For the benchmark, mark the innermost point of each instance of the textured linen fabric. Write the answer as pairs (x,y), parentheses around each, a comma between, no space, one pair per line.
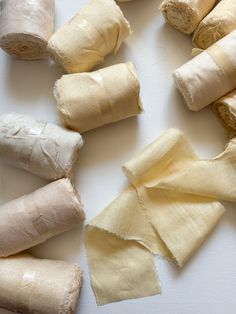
(98,29)
(38,216)
(210,75)
(169,209)
(217,24)
(25,27)
(39,147)
(32,286)
(225,109)
(89,100)
(185,15)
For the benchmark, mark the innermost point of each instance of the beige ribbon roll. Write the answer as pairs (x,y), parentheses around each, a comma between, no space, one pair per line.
(89,100)
(185,15)
(30,285)
(34,218)
(208,76)
(25,27)
(169,209)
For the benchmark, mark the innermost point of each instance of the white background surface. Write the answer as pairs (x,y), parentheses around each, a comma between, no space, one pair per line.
(207,284)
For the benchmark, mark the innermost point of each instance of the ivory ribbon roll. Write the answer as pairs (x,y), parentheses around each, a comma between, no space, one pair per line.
(26,26)
(217,24)
(41,148)
(169,209)
(97,30)
(89,100)
(30,285)
(36,217)
(225,109)
(185,15)
(210,75)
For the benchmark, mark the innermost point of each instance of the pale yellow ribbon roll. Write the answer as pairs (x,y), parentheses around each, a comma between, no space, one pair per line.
(25,27)
(210,75)
(225,109)
(217,24)
(169,209)
(30,285)
(98,29)
(36,217)
(185,15)
(90,100)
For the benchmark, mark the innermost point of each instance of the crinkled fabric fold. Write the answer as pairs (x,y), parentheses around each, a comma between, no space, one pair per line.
(169,209)
(98,29)
(210,75)
(25,27)
(90,100)
(42,148)
(185,15)
(225,109)
(217,24)
(31,285)
(36,217)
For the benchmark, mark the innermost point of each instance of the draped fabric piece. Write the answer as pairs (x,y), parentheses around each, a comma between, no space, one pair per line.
(225,109)
(25,27)
(210,75)
(217,24)
(169,209)
(89,100)
(185,15)
(31,285)
(98,29)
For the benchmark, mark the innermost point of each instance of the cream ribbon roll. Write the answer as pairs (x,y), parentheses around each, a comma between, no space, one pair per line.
(169,209)
(41,148)
(185,15)
(30,285)
(25,27)
(217,24)
(90,100)
(210,75)
(38,216)
(98,29)
(225,109)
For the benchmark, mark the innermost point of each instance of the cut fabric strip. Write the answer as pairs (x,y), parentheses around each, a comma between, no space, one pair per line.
(169,209)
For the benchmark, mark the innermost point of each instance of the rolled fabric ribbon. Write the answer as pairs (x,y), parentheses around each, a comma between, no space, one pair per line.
(26,26)
(216,25)
(39,147)
(38,216)
(185,15)
(169,209)
(30,285)
(225,109)
(97,30)
(210,75)
(89,100)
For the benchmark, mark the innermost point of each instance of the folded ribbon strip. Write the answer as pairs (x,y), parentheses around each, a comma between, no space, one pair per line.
(169,209)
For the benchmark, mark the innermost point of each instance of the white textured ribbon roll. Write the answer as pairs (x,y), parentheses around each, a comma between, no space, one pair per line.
(89,100)
(25,27)
(217,24)
(185,15)
(169,209)
(97,30)
(41,148)
(38,216)
(210,75)
(30,285)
